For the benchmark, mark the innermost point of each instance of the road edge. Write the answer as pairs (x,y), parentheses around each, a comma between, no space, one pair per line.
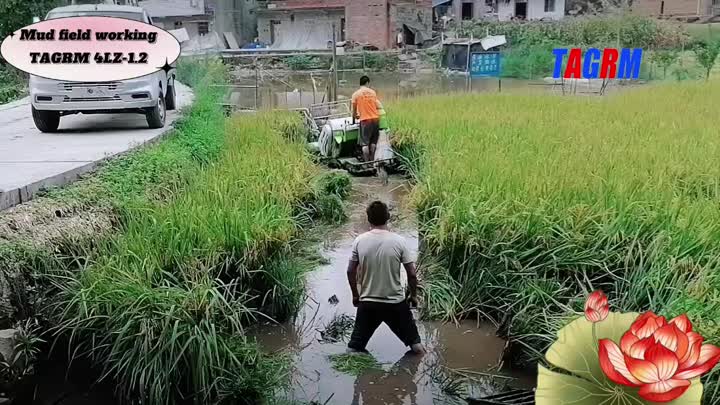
(23,194)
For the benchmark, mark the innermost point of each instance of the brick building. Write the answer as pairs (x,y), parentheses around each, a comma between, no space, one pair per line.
(307,24)
(676,7)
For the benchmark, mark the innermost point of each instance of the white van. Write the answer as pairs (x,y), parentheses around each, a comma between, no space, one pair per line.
(152,95)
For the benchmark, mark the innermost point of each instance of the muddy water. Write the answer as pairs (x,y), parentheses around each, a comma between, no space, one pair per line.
(405,379)
(296,90)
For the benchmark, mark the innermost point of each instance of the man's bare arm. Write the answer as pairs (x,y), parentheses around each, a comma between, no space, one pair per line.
(354,111)
(412,279)
(352,278)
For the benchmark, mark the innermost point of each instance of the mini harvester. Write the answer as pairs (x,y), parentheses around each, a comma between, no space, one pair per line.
(334,136)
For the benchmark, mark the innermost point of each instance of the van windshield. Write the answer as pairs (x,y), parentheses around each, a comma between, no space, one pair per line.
(130,16)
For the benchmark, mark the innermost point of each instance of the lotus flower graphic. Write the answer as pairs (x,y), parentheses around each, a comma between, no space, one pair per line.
(610,357)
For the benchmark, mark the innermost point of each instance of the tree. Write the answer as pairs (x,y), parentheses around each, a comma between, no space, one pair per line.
(665,59)
(706,54)
(16,14)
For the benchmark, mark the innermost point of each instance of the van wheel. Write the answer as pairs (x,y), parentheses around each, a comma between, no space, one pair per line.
(170,97)
(156,115)
(46,121)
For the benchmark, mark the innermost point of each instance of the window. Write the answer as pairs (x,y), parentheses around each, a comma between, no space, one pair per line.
(549,6)
(203,27)
(467,11)
(178,24)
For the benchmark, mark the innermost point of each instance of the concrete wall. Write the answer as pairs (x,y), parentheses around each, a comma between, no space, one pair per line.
(236,16)
(306,4)
(479,8)
(679,7)
(535,10)
(190,24)
(413,14)
(373,22)
(296,19)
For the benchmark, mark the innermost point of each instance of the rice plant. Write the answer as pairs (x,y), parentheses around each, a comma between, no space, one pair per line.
(162,307)
(527,203)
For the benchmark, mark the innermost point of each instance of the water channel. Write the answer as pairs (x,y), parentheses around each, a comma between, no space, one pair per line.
(471,349)
(277,89)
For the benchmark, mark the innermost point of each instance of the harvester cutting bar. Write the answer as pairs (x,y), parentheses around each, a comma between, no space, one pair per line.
(514,397)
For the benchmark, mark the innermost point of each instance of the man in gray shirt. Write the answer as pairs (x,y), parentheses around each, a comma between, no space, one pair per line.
(374,274)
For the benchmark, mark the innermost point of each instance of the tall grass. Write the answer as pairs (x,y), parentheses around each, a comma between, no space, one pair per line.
(163,307)
(60,228)
(530,202)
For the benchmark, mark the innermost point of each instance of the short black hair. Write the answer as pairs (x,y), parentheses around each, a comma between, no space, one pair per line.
(378,213)
(364,80)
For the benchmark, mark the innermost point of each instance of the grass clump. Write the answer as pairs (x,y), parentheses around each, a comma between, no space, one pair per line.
(528,203)
(163,306)
(354,363)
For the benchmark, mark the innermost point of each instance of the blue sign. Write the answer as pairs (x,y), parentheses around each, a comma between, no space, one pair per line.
(485,64)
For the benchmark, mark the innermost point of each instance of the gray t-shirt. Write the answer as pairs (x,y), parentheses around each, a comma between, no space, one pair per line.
(380,255)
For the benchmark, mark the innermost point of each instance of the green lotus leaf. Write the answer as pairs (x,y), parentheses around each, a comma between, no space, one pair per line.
(562,389)
(577,352)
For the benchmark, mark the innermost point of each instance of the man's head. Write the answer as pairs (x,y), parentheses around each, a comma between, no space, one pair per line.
(378,213)
(364,81)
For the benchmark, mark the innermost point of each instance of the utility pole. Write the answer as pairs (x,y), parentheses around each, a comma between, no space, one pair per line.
(333,96)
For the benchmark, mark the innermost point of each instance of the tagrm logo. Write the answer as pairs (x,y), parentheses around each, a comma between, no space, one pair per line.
(609,63)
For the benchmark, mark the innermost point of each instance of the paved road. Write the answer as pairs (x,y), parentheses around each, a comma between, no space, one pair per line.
(31,160)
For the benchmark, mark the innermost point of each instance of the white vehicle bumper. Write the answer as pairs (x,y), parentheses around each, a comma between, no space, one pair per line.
(51,95)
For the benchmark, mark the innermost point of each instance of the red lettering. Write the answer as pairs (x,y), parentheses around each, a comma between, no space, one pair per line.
(608,69)
(574,65)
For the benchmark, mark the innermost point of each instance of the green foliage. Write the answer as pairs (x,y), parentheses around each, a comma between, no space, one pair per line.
(527,211)
(15,14)
(707,54)
(354,363)
(13,84)
(194,71)
(163,305)
(664,59)
(26,351)
(304,62)
(528,61)
(625,31)
(381,61)
(704,32)
(338,183)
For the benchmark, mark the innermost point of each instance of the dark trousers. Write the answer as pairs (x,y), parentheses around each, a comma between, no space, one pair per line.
(370,315)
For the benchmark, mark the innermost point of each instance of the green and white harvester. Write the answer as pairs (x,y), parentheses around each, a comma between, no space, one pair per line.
(334,136)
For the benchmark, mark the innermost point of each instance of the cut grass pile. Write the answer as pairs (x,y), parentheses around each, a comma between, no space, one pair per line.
(163,306)
(354,363)
(528,203)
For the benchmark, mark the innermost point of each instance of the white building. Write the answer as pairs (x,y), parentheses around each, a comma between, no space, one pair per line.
(530,9)
(503,10)
(176,14)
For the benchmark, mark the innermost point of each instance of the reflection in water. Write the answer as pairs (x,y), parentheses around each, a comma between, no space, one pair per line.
(405,379)
(372,387)
(297,90)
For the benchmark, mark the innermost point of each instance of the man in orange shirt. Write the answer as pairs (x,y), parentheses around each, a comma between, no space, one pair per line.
(365,107)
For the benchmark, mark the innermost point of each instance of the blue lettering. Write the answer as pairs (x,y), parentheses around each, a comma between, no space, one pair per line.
(591,64)
(630,61)
(559,57)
